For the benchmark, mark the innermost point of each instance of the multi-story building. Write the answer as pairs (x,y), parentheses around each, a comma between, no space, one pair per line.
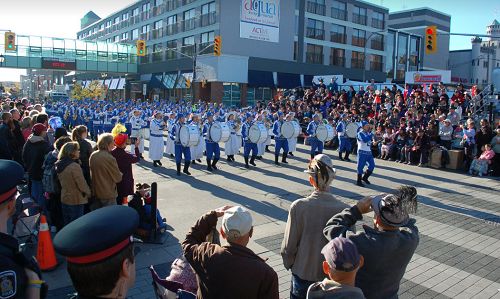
(266,44)
(475,66)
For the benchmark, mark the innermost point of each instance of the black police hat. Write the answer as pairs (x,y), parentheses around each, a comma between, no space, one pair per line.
(98,235)
(11,174)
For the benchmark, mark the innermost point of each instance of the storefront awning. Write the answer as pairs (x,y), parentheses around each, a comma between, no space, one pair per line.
(114,84)
(121,84)
(260,79)
(288,80)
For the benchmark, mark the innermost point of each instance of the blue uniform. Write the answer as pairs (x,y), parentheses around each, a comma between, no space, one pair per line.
(213,148)
(344,142)
(247,144)
(281,142)
(364,151)
(179,148)
(316,145)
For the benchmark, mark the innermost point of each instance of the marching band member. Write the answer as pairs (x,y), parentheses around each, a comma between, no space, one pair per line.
(137,131)
(213,149)
(107,123)
(179,148)
(248,145)
(261,147)
(365,156)
(292,142)
(267,121)
(316,145)
(96,123)
(344,142)
(280,140)
(170,145)
(231,146)
(197,150)
(156,139)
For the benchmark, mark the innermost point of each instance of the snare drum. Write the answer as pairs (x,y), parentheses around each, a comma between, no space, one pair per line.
(219,132)
(352,130)
(258,133)
(189,136)
(290,129)
(324,133)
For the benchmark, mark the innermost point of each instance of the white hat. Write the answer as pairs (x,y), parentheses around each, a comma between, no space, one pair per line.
(236,222)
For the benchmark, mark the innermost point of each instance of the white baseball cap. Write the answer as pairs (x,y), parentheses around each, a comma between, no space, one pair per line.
(236,222)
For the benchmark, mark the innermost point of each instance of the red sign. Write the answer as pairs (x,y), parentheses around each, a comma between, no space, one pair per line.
(419,78)
(54,63)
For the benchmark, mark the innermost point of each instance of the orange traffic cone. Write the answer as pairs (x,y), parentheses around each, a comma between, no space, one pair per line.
(45,254)
(125,201)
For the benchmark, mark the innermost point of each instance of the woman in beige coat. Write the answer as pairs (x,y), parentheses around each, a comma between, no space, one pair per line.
(74,189)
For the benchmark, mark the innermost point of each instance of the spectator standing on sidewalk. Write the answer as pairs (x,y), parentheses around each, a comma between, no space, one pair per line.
(125,160)
(387,248)
(303,240)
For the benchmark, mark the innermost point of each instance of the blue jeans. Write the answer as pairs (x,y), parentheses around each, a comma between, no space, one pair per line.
(37,195)
(298,288)
(71,212)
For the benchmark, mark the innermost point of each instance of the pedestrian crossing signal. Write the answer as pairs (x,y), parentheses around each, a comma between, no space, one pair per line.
(430,39)
(141,48)
(10,41)
(217,45)
(188,83)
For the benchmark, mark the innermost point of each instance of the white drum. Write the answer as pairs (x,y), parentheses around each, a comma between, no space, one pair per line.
(352,130)
(324,133)
(290,129)
(258,133)
(189,136)
(219,132)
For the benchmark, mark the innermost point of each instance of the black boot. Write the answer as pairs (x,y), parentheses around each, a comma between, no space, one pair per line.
(159,163)
(276,157)
(178,169)
(193,162)
(359,182)
(214,164)
(340,156)
(312,156)
(186,168)
(209,165)
(172,155)
(283,159)
(346,157)
(366,176)
(258,157)
(232,158)
(252,161)
(246,162)
(154,163)
(267,149)
(228,159)
(290,154)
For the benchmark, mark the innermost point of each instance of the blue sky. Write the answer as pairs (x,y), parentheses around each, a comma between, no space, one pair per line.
(467,16)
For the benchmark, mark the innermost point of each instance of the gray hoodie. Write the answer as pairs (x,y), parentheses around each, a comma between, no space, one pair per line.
(445,132)
(329,289)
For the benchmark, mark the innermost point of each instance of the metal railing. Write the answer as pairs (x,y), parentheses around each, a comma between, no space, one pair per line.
(172,29)
(158,56)
(358,41)
(337,60)
(314,58)
(188,50)
(206,48)
(315,8)
(339,14)
(377,45)
(377,23)
(376,66)
(359,19)
(357,63)
(315,33)
(338,38)
(208,19)
(157,33)
(188,24)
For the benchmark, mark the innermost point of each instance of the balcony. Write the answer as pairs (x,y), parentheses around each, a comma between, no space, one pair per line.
(357,63)
(188,24)
(157,33)
(378,23)
(376,66)
(314,58)
(134,20)
(172,4)
(144,59)
(145,36)
(170,55)
(315,33)
(315,8)
(158,56)
(206,48)
(145,15)
(186,2)
(358,41)
(337,60)
(208,19)
(171,29)
(339,14)
(359,19)
(188,50)
(377,45)
(338,38)
(157,10)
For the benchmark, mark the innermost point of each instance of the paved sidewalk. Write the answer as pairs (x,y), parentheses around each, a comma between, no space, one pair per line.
(458,218)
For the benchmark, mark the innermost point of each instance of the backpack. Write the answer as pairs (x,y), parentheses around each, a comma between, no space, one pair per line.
(50,181)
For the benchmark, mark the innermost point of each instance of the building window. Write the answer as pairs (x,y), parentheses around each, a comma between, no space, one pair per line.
(188,45)
(316,7)
(402,56)
(485,64)
(157,52)
(357,60)
(414,49)
(389,54)
(145,29)
(135,11)
(101,27)
(108,24)
(95,29)
(232,95)
(315,29)
(146,7)
(339,10)
(125,16)
(116,39)
(171,46)
(205,40)
(208,14)
(377,42)
(117,20)
(337,34)
(314,54)
(135,34)
(358,37)
(125,36)
(189,20)
(157,24)
(378,20)
(359,15)
(171,28)
(337,57)
(158,2)
(376,63)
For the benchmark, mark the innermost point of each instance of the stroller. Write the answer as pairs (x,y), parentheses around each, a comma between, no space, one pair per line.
(26,221)
(165,289)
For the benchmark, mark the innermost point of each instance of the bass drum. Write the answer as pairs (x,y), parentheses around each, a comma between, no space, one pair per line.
(258,133)
(352,130)
(324,133)
(189,136)
(219,132)
(290,129)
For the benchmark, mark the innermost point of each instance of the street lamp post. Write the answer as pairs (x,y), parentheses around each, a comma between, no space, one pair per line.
(364,51)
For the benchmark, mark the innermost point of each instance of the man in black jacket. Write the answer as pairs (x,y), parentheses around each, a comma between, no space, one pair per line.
(34,151)
(6,137)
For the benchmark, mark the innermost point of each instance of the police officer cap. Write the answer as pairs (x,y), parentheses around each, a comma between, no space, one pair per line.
(11,174)
(98,235)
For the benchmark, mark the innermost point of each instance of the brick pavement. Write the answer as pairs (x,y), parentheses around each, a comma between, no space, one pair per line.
(458,218)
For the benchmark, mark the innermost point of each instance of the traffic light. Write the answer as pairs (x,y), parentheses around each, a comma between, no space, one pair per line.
(141,48)
(217,45)
(188,83)
(430,39)
(10,41)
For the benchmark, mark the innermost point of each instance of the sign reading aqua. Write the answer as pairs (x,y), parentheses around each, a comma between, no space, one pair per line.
(260,7)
